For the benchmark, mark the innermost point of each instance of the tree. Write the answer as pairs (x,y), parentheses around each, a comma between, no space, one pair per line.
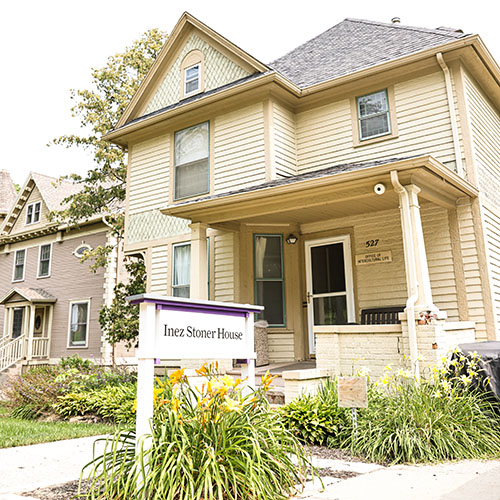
(103,188)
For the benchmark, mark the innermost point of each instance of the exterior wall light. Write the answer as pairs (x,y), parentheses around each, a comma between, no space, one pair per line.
(292,239)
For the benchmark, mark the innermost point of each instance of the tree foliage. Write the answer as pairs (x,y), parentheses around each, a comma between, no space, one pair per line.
(120,320)
(99,110)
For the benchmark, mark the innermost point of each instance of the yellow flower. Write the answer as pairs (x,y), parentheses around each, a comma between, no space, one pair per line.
(177,376)
(159,382)
(134,409)
(228,381)
(203,371)
(157,392)
(175,404)
(232,405)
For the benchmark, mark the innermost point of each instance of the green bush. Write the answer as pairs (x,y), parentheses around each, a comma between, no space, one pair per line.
(443,417)
(115,404)
(315,419)
(213,444)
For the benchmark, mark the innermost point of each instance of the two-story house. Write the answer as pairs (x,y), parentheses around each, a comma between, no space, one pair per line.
(350,186)
(49,300)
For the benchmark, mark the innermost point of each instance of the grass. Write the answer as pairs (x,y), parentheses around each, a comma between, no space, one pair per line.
(18,432)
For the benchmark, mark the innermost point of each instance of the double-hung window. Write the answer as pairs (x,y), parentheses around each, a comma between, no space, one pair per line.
(191,161)
(192,79)
(78,324)
(19,264)
(33,212)
(373,115)
(44,261)
(269,277)
(181,270)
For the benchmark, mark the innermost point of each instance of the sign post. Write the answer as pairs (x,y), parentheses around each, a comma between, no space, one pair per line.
(179,328)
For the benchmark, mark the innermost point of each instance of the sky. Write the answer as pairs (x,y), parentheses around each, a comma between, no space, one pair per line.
(49,47)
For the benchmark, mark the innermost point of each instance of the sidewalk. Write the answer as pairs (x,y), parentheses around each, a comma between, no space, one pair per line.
(27,468)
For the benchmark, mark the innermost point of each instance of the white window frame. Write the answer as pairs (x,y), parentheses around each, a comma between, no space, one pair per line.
(71,303)
(186,80)
(33,212)
(38,275)
(174,245)
(387,113)
(25,250)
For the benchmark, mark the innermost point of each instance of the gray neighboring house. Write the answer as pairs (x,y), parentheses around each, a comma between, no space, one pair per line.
(49,300)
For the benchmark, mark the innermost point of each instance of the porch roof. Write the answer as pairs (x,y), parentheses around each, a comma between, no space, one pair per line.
(336,191)
(33,295)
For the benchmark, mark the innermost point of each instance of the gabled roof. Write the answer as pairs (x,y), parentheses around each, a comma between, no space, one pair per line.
(52,190)
(186,23)
(356,44)
(29,294)
(8,192)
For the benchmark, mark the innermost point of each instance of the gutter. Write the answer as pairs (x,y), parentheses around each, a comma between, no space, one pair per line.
(453,114)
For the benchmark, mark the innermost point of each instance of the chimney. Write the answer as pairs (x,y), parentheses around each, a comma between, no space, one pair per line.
(396,20)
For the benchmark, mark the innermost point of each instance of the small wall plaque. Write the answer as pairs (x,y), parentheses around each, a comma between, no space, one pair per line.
(352,392)
(374,258)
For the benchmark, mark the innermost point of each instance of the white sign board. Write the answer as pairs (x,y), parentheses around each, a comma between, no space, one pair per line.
(180,334)
(374,258)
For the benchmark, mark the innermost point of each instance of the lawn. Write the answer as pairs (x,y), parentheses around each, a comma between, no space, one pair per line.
(18,432)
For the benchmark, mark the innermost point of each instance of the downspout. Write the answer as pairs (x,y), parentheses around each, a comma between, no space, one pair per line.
(453,115)
(412,274)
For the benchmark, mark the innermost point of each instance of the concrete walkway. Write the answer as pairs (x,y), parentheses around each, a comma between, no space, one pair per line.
(27,468)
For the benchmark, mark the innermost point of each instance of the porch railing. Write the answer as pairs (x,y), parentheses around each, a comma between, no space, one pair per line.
(4,340)
(12,352)
(40,347)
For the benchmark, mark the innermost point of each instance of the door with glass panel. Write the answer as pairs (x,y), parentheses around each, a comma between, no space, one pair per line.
(329,282)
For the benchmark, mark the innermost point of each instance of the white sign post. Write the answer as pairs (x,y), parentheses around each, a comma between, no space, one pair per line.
(178,328)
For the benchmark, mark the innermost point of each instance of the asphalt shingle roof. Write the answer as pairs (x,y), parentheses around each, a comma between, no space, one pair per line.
(8,192)
(356,44)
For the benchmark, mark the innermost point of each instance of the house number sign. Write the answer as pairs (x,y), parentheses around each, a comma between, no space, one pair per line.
(178,328)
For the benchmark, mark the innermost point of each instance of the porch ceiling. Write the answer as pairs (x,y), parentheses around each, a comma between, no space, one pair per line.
(308,198)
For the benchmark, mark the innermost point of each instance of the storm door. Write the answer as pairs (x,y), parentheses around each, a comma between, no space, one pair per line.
(329,282)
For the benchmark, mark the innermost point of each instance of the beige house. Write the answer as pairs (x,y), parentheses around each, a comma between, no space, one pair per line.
(351,187)
(49,300)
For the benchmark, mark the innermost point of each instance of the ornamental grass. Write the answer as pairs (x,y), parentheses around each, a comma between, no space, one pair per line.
(215,441)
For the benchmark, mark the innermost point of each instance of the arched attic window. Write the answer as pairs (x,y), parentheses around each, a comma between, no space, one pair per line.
(192,74)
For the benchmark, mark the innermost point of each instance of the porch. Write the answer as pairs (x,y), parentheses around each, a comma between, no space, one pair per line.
(344,240)
(27,326)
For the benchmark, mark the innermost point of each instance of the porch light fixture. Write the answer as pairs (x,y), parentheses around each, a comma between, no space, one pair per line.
(292,239)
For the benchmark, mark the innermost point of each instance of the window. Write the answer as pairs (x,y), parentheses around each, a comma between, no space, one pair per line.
(81,249)
(191,166)
(19,261)
(269,281)
(17,322)
(192,79)
(181,270)
(33,212)
(373,115)
(78,320)
(44,261)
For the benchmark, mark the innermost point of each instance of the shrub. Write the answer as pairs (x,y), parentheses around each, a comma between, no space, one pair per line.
(315,419)
(77,362)
(440,418)
(211,444)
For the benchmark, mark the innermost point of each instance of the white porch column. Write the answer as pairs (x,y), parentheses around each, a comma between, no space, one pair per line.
(199,268)
(424,300)
(31,329)
(49,329)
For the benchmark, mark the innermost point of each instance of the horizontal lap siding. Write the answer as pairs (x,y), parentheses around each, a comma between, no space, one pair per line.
(159,270)
(285,141)
(281,345)
(325,135)
(149,174)
(485,130)
(491,217)
(224,265)
(239,156)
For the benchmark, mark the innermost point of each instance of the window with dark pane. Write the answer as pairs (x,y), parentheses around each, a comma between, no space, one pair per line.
(373,115)
(269,281)
(191,161)
(17,322)
(44,264)
(328,268)
(19,265)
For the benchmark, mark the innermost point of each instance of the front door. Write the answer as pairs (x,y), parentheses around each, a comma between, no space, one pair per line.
(330,299)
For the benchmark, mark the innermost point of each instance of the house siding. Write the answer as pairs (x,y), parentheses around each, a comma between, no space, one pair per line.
(238,149)
(159,270)
(285,140)
(224,265)
(69,280)
(325,135)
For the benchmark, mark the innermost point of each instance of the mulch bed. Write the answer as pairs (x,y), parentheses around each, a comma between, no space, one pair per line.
(64,491)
